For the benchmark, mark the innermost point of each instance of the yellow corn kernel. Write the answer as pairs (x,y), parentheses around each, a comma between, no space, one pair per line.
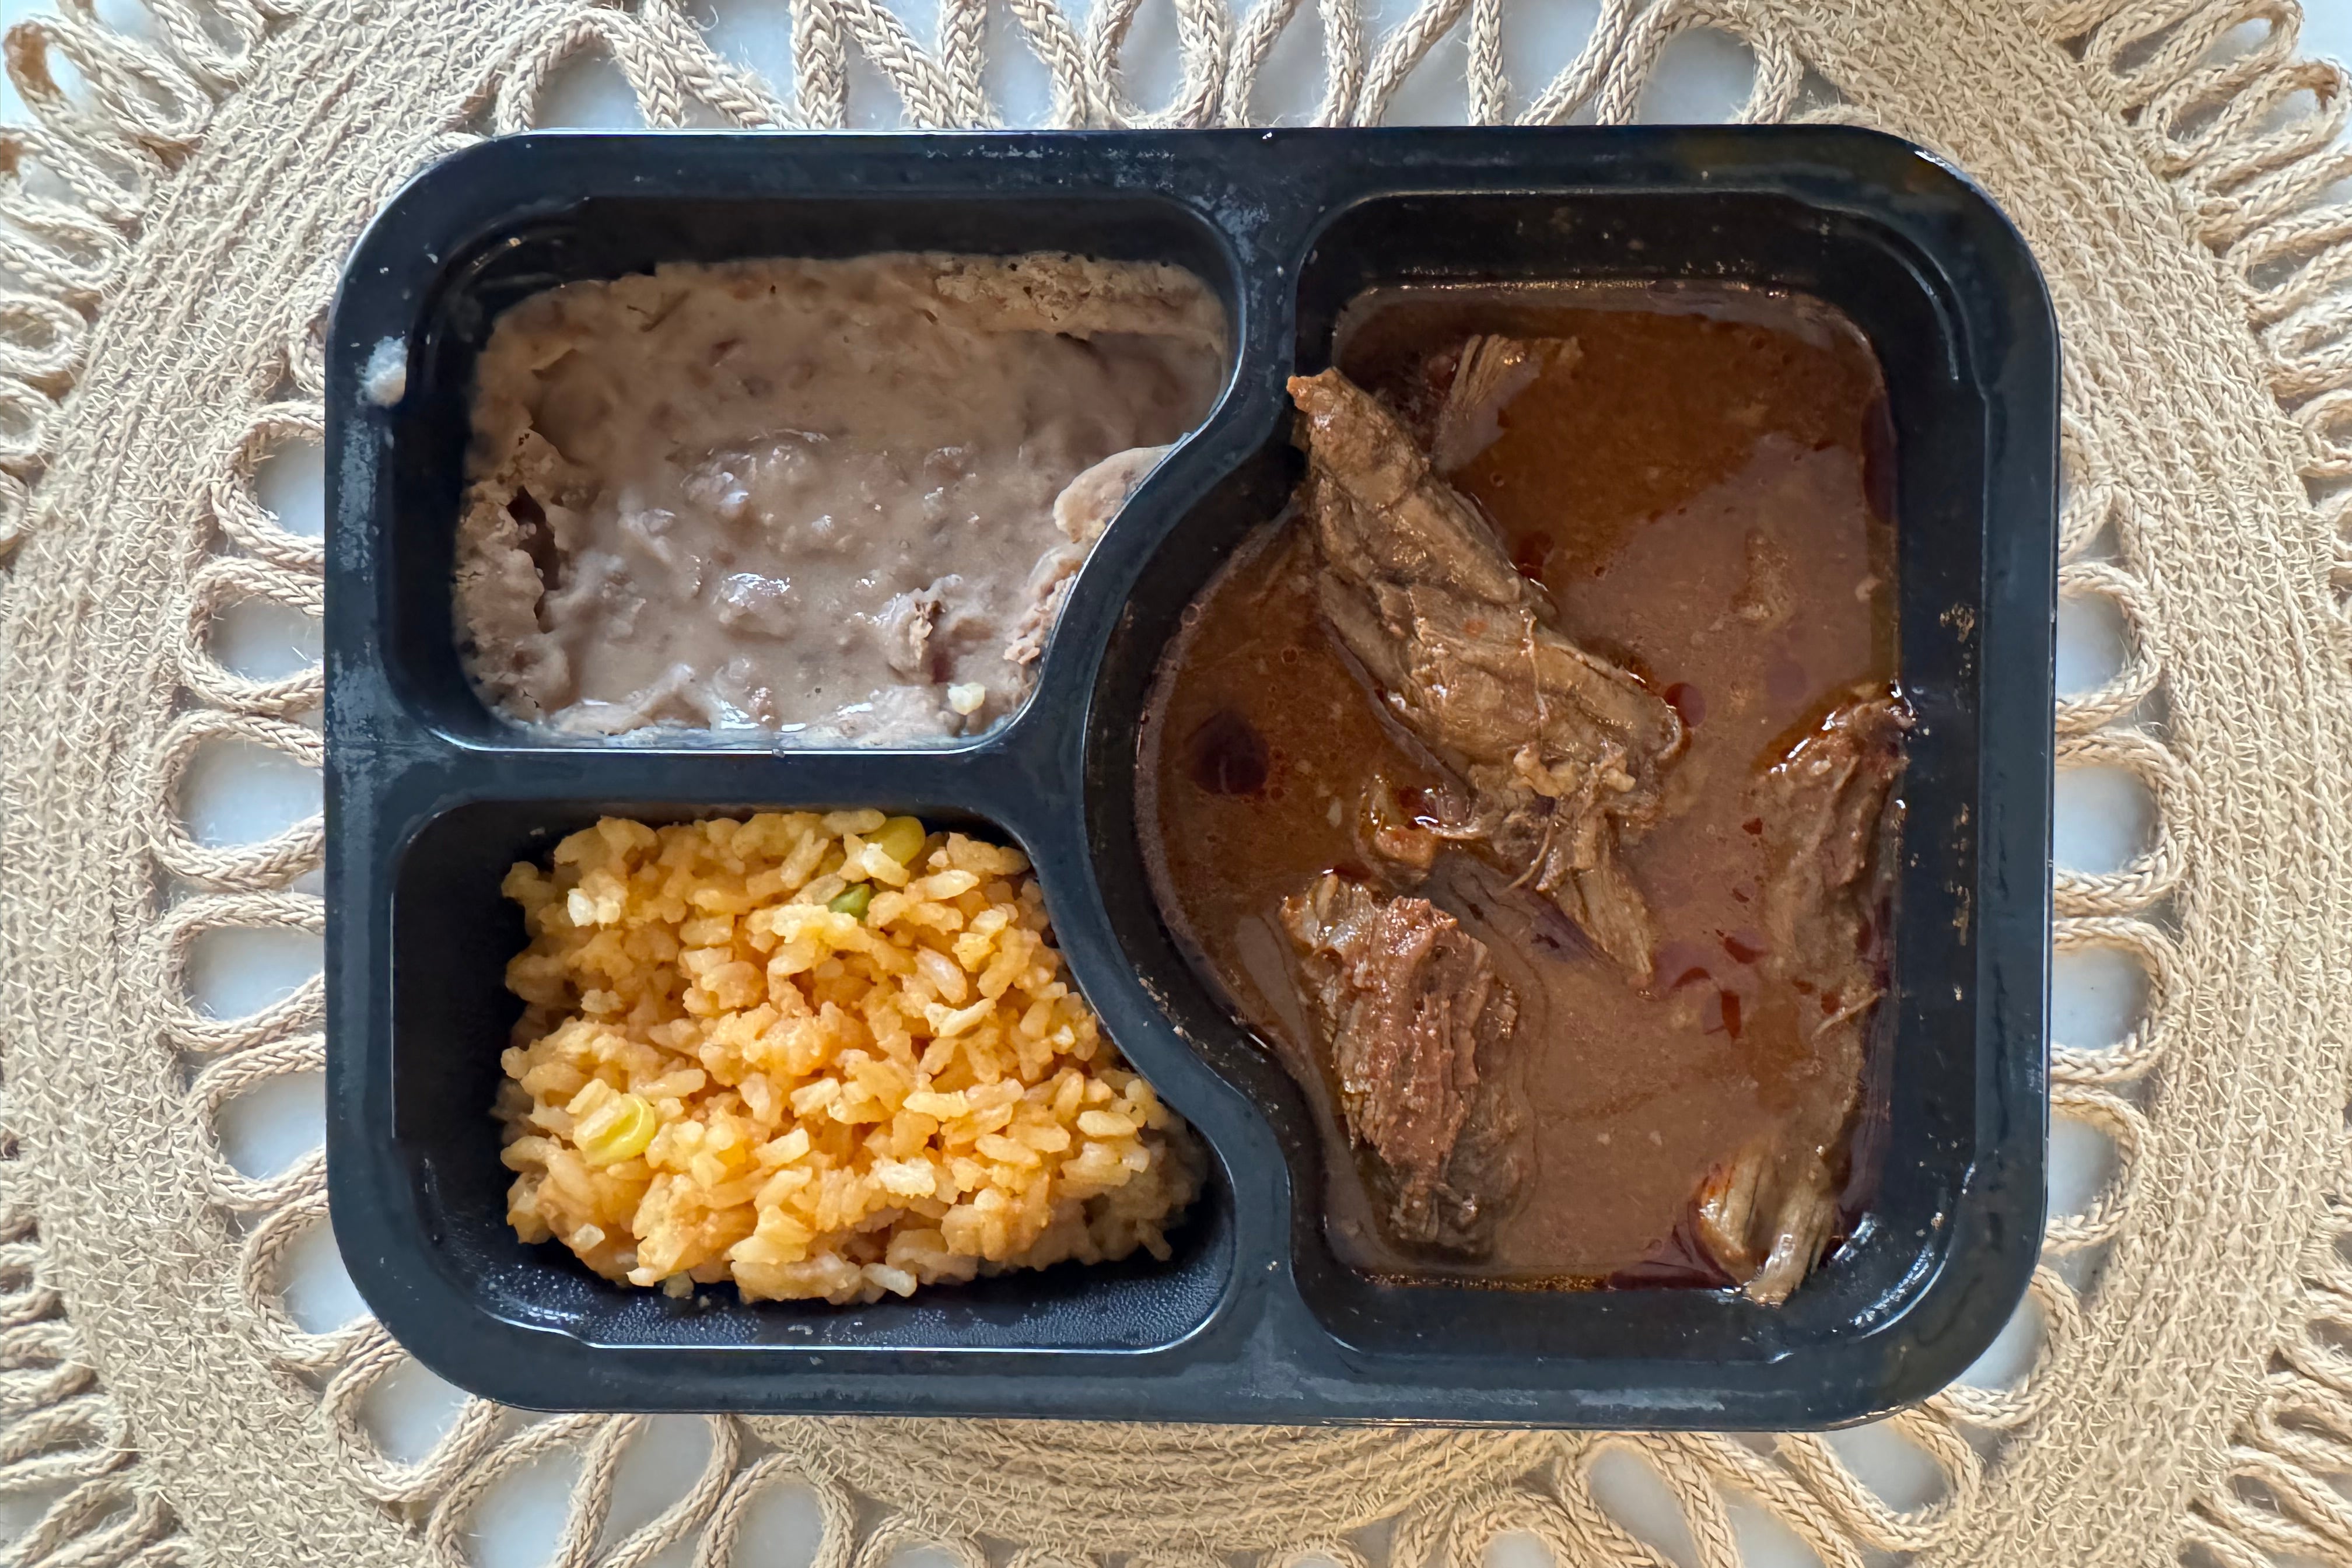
(902,838)
(619,1130)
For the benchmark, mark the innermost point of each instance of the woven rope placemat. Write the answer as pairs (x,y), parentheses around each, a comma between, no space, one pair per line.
(174,222)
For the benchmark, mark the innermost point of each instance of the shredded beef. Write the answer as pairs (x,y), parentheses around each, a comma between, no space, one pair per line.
(1416,1027)
(1560,752)
(1828,810)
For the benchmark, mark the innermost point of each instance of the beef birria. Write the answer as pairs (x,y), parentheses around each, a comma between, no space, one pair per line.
(1552,759)
(1766,1216)
(1416,1026)
(1561,752)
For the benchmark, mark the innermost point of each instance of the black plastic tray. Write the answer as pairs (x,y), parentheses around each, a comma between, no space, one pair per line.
(429,796)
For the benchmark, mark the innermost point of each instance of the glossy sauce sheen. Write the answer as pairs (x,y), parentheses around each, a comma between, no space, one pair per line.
(1702,454)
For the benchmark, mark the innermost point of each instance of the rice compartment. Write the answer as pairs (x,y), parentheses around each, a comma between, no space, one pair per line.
(816,1055)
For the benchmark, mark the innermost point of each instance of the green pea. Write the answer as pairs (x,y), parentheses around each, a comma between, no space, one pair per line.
(902,838)
(853,901)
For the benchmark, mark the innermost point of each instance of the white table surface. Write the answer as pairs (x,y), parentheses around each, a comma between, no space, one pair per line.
(238,793)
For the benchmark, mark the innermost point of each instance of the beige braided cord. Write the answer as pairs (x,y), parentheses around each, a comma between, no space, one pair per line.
(169,230)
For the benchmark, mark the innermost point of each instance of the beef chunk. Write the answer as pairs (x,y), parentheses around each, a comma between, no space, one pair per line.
(1829,818)
(1825,814)
(1417,1029)
(1561,753)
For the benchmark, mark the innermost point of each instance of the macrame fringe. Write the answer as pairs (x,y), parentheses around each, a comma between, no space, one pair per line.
(2250,139)
(2248,133)
(76,184)
(74,189)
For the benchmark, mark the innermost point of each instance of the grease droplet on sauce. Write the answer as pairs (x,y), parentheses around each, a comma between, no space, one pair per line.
(1687,700)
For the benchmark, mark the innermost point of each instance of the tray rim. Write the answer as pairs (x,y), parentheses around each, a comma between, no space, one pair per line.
(1245,1340)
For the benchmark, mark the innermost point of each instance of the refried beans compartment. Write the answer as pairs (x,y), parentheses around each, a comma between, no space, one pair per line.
(831,500)
(1273,776)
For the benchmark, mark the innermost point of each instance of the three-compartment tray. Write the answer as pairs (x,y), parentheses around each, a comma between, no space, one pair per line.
(430,798)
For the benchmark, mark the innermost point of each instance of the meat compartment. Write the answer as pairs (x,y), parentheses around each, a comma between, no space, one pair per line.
(1967,584)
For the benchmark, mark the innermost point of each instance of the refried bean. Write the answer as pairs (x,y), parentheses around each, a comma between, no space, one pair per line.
(840,500)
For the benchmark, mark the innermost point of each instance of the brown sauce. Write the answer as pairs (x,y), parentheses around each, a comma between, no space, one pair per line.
(1701,489)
